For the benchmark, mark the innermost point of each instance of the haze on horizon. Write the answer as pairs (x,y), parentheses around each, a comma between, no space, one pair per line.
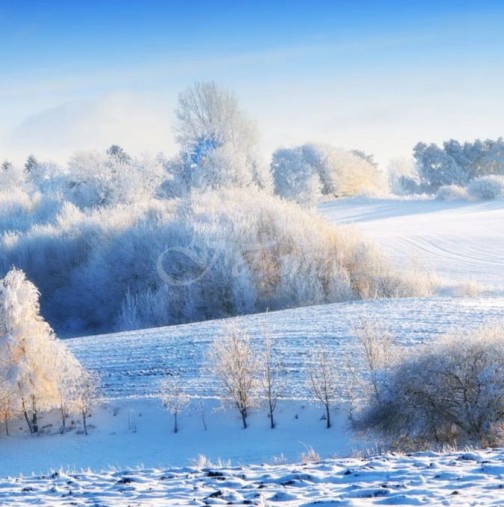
(374,75)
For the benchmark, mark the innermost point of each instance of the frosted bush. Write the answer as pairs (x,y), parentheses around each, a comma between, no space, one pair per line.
(215,254)
(306,173)
(451,193)
(245,252)
(486,188)
(452,391)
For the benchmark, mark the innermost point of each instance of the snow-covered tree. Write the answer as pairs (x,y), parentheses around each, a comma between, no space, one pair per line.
(68,375)
(324,379)
(33,365)
(458,164)
(295,178)
(87,385)
(31,164)
(486,188)
(95,179)
(304,172)
(173,397)
(273,378)
(377,353)
(437,168)
(218,142)
(12,177)
(235,365)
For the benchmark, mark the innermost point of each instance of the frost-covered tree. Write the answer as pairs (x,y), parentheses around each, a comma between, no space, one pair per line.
(324,379)
(12,177)
(68,375)
(218,142)
(174,398)
(31,164)
(304,172)
(235,365)
(272,375)
(295,178)
(376,352)
(437,168)
(87,385)
(94,179)
(32,361)
(115,151)
(458,164)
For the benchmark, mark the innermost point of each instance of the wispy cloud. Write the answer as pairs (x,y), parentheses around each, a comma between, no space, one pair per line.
(135,122)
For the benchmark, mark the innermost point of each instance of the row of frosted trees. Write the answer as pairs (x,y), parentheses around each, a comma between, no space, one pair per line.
(450,391)
(250,376)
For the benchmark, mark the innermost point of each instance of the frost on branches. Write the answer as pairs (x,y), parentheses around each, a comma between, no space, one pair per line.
(37,372)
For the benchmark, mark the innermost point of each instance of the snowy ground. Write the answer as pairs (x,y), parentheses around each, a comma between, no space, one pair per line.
(458,240)
(449,479)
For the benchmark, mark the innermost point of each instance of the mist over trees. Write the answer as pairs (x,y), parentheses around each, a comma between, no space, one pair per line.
(115,241)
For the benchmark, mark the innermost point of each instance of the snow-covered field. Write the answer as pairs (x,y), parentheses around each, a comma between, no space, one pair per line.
(467,478)
(459,241)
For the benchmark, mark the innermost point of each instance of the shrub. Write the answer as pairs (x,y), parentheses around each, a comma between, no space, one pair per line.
(451,193)
(307,173)
(213,255)
(451,392)
(486,188)
(242,251)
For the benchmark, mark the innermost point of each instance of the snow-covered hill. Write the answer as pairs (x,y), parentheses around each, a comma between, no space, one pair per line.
(459,240)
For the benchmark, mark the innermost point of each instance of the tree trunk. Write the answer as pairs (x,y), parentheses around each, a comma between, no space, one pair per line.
(6,423)
(84,422)
(271,410)
(34,416)
(175,422)
(28,422)
(328,416)
(244,418)
(35,422)
(63,419)
(27,418)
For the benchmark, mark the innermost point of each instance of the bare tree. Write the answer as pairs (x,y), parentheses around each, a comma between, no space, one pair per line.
(377,351)
(174,398)
(323,379)
(235,365)
(272,376)
(87,386)
(68,372)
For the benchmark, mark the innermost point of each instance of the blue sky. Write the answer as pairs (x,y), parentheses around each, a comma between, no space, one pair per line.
(376,75)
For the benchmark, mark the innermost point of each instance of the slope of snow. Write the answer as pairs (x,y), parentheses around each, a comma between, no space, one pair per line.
(457,240)
(130,429)
(133,364)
